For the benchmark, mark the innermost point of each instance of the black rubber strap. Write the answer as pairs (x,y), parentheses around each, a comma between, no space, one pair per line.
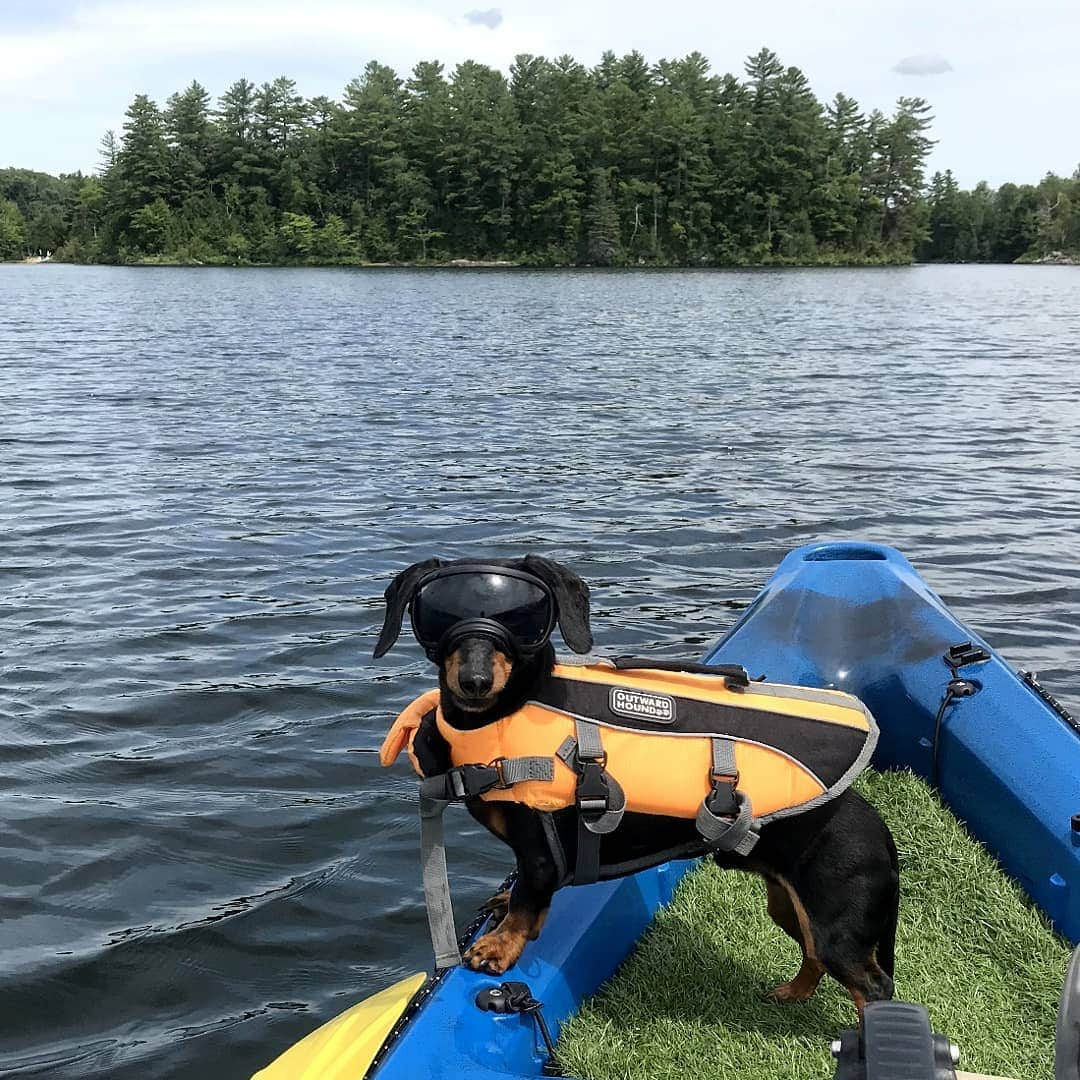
(587,864)
(593,798)
(733,673)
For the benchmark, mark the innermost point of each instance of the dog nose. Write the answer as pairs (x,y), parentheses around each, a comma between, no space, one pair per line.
(474,682)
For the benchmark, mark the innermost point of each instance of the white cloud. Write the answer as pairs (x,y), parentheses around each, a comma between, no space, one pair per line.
(929,64)
(492,18)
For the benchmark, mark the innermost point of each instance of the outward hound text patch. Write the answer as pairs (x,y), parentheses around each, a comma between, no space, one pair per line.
(642,705)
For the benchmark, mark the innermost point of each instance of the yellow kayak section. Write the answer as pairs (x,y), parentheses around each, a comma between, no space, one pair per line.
(345,1047)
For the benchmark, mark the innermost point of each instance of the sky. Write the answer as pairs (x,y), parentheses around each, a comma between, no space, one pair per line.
(1001,75)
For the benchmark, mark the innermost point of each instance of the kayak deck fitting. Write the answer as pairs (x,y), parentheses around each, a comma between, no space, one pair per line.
(850,616)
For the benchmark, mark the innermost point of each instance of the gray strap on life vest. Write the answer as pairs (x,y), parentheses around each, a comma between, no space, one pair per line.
(588,739)
(516,770)
(566,751)
(723,832)
(440,911)
(735,834)
(470,781)
(723,758)
(600,800)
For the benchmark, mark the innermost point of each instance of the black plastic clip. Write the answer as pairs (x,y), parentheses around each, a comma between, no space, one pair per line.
(516,997)
(723,800)
(593,795)
(462,782)
(965,653)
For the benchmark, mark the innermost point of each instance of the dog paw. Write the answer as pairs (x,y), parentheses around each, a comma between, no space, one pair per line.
(791,993)
(494,953)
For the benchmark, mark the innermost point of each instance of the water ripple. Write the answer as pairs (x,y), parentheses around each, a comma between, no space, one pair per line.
(207,479)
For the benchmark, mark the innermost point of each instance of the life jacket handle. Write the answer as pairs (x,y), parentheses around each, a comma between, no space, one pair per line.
(735,675)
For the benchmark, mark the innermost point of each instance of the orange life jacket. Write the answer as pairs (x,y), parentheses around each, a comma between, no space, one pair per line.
(793,747)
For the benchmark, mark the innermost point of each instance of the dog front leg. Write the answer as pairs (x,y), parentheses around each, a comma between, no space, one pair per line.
(537,878)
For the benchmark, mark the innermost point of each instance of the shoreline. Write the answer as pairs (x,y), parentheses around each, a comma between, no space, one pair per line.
(1054,259)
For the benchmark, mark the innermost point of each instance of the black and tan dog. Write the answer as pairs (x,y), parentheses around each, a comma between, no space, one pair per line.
(830,873)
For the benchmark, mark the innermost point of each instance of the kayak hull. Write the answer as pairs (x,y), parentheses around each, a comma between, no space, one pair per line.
(857,617)
(848,616)
(589,931)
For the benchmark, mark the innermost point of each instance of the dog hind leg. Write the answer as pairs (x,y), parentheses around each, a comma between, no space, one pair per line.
(786,911)
(853,963)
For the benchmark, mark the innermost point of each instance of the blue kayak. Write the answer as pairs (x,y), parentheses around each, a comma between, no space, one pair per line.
(848,616)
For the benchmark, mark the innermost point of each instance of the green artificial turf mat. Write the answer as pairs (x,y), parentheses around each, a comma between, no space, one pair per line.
(688,1003)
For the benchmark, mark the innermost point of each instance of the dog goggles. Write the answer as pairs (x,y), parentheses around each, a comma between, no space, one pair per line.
(514,608)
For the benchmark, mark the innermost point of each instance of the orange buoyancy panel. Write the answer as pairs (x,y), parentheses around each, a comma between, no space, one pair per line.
(793,746)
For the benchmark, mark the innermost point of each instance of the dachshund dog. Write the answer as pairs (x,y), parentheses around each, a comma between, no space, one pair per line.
(830,872)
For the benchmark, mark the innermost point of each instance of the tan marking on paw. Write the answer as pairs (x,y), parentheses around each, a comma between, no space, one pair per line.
(495,952)
(501,948)
(802,987)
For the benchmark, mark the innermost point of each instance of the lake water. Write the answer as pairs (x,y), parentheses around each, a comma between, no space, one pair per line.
(207,478)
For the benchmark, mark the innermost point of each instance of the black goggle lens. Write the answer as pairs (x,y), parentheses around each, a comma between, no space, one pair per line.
(521,606)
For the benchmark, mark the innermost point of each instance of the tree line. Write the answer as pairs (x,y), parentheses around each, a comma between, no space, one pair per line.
(1016,222)
(625,163)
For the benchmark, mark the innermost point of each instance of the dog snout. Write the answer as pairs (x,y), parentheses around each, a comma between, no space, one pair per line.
(476,671)
(475,681)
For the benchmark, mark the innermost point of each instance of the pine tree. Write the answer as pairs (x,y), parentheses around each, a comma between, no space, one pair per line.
(108,151)
(478,159)
(143,163)
(187,129)
(900,150)
(238,164)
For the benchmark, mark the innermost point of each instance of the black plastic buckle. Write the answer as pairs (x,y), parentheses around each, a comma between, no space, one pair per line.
(965,653)
(593,796)
(466,781)
(722,800)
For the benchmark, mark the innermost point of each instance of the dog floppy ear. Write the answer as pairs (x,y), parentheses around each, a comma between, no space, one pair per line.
(572,597)
(398,594)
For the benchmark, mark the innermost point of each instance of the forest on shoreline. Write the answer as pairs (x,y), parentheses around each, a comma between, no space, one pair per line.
(624,164)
